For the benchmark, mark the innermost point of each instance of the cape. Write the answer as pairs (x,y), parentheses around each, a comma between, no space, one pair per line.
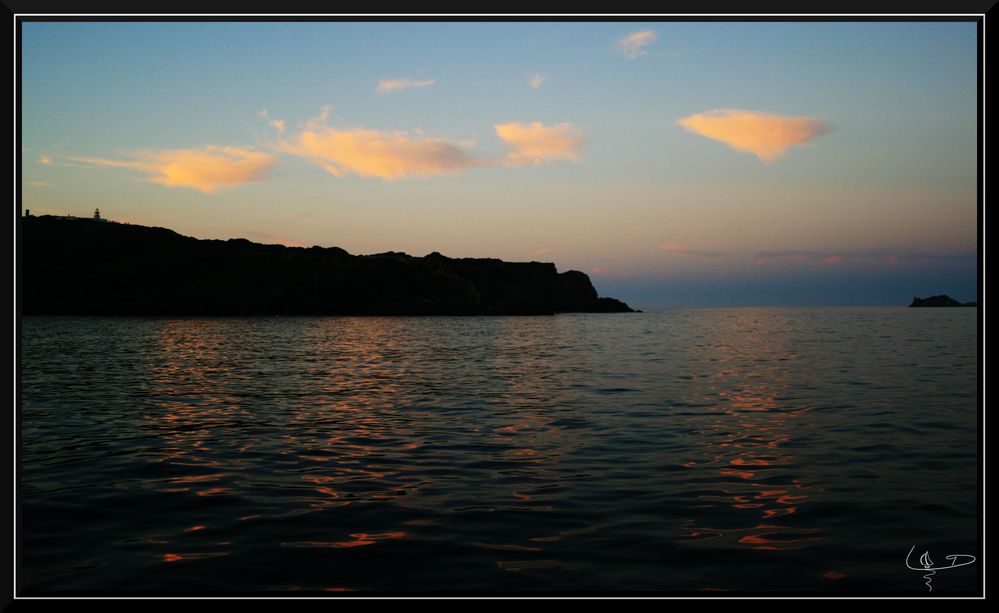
(78,266)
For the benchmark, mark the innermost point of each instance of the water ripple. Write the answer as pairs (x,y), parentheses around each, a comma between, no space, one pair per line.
(732,449)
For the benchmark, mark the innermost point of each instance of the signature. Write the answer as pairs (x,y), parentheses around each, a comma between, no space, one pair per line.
(926,564)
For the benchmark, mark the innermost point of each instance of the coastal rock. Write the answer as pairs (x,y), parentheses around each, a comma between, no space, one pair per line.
(77,267)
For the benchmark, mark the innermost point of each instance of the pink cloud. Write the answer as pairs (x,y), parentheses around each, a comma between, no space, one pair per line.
(386,86)
(633,45)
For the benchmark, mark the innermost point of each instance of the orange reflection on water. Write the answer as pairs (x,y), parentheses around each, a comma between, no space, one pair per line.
(195,478)
(764,540)
(214,491)
(744,442)
(178,557)
(359,539)
(193,383)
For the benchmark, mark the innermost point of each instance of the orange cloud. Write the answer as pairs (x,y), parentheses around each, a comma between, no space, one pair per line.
(765,136)
(44,159)
(537,80)
(205,169)
(390,85)
(632,44)
(375,153)
(536,144)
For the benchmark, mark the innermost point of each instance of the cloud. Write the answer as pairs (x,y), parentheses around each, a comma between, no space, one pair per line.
(277,124)
(44,159)
(632,45)
(864,257)
(375,153)
(206,169)
(537,80)
(391,155)
(390,85)
(677,248)
(765,136)
(764,258)
(536,144)
(801,256)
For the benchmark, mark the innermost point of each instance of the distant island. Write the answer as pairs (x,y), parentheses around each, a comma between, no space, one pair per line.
(942,300)
(77,266)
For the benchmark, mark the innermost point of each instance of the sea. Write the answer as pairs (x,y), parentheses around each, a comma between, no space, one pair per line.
(770,451)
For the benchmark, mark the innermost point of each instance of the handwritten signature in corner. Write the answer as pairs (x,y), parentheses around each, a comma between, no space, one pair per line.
(926,564)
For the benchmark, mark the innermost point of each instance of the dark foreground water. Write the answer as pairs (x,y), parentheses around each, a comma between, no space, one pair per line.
(678,450)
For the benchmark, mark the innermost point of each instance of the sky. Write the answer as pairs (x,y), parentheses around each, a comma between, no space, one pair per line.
(676,163)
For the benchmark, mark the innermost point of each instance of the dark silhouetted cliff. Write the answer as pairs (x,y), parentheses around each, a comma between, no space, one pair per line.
(82,267)
(942,300)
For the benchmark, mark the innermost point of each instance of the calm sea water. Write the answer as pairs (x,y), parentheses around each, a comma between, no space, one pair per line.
(677,450)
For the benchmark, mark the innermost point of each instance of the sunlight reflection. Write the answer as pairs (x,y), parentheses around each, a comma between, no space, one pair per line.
(744,442)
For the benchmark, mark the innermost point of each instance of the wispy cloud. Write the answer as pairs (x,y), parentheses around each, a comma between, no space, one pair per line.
(682,250)
(633,45)
(536,144)
(277,124)
(764,135)
(391,85)
(866,258)
(44,159)
(375,153)
(37,184)
(808,256)
(537,80)
(206,169)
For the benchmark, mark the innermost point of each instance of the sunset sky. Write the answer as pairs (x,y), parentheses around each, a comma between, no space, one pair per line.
(678,164)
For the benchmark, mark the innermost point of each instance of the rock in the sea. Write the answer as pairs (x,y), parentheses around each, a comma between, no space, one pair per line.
(939,301)
(81,267)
